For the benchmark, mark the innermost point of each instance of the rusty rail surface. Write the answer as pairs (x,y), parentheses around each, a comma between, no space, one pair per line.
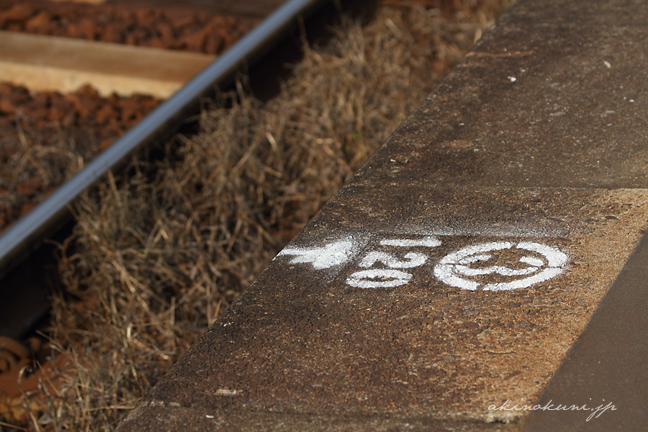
(445,284)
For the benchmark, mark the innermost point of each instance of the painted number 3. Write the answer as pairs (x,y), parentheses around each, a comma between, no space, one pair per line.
(471,268)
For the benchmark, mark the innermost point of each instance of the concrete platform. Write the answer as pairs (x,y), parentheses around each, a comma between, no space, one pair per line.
(450,278)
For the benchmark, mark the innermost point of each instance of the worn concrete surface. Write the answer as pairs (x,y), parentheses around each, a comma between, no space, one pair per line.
(605,374)
(456,270)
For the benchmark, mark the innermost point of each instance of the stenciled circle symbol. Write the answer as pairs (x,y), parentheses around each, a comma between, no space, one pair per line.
(459,269)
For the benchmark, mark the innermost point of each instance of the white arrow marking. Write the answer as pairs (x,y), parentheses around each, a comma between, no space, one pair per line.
(322,257)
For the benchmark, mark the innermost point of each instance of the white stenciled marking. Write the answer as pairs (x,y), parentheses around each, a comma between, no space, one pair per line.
(500,270)
(536,262)
(456,268)
(555,258)
(378,278)
(227,392)
(463,267)
(429,241)
(415,260)
(322,257)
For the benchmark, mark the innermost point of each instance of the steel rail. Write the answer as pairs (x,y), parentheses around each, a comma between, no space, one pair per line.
(44,220)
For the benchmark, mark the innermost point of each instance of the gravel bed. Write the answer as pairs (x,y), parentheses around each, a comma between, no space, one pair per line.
(171,28)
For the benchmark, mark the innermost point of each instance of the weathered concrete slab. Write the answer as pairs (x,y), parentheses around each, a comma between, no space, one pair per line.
(607,370)
(532,105)
(456,270)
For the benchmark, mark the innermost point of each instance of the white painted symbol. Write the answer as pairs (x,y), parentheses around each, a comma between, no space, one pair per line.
(415,260)
(459,269)
(388,278)
(322,257)
(378,278)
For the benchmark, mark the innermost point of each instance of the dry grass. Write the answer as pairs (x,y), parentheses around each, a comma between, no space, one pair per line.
(158,255)
(29,156)
(46,138)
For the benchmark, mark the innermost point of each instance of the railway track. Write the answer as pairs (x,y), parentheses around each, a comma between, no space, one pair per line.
(21,246)
(29,274)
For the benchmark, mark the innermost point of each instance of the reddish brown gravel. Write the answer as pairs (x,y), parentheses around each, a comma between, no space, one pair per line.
(178,28)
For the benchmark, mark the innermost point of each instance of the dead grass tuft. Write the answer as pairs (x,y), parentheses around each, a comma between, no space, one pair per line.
(159,254)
